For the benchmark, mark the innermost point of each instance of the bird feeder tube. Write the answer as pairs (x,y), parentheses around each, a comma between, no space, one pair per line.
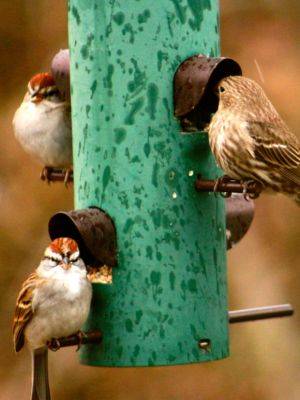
(169,288)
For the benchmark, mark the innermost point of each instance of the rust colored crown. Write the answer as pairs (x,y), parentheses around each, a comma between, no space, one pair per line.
(64,245)
(41,81)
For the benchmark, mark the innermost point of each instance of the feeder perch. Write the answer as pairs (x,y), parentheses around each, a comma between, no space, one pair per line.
(194,89)
(57,175)
(227,187)
(260,313)
(93,337)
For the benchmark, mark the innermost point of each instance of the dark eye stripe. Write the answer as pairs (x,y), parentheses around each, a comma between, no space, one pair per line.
(51,93)
(51,259)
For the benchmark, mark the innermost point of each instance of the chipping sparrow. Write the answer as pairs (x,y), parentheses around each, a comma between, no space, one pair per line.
(53,302)
(42,124)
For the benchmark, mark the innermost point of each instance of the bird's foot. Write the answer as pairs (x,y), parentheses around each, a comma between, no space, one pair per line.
(219,182)
(81,335)
(46,174)
(67,178)
(53,344)
(248,186)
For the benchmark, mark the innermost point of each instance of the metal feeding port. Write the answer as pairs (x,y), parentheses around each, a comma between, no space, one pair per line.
(194,83)
(93,230)
(239,216)
(60,69)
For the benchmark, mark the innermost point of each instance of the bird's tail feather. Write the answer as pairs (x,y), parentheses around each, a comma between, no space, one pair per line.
(40,383)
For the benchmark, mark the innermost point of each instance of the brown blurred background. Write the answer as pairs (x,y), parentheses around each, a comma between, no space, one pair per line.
(262,270)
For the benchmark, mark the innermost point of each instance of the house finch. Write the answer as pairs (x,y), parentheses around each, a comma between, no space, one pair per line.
(250,141)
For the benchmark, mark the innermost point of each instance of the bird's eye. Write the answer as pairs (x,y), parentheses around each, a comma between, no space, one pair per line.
(53,92)
(53,258)
(221,89)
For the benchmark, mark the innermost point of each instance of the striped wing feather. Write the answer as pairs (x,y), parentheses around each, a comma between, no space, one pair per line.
(23,311)
(277,146)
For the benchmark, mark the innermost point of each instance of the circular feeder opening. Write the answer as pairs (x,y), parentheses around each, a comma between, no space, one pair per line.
(62,225)
(194,82)
(93,230)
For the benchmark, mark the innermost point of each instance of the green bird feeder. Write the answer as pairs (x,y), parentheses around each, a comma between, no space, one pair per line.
(167,303)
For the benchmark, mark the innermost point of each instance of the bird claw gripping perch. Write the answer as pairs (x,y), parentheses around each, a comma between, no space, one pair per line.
(226,186)
(54,344)
(248,192)
(81,336)
(50,174)
(46,174)
(218,183)
(78,339)
(68,176)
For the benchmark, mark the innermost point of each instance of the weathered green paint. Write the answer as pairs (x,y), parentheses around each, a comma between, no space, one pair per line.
(130,159)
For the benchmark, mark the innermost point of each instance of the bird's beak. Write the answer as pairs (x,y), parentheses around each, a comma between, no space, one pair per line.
(65,266)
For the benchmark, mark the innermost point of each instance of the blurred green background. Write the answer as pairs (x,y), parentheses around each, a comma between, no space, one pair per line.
(262,270)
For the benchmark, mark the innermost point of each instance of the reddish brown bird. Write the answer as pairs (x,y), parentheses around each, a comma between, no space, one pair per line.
(250,141)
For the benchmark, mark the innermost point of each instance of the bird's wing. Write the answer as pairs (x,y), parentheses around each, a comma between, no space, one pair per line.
(275,145)
(24,310)
(67,117)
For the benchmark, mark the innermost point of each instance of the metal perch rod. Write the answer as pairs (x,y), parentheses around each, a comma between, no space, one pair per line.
(253,314)
(92,337)
(232,186)
(57,175)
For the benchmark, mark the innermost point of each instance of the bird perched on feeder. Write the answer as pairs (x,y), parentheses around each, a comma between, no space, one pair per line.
(42,124)
(250,141)
(53,302)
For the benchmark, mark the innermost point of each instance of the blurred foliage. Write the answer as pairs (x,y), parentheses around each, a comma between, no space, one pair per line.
(262,270)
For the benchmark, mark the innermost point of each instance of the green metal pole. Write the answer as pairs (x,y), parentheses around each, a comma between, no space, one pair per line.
(169,290)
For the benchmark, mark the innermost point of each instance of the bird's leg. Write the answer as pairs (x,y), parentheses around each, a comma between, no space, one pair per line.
(223,179)
(247,184)
(46,174)
(67,179)
(81,335)
(53,344)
